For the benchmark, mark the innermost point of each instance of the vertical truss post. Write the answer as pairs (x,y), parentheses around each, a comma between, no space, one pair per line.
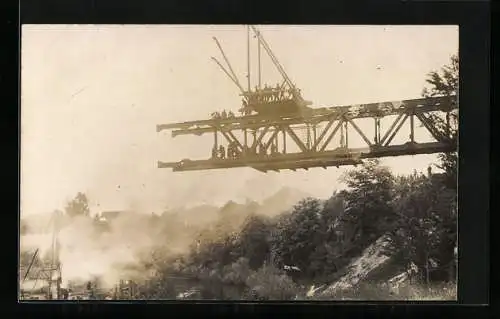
(284,139)
(378,131)
(245,138)
(308,137)
(276,138)
(314,138)
(412,128)
(376,139)
(254,140)
(342,136)
(346,134)
(215,139)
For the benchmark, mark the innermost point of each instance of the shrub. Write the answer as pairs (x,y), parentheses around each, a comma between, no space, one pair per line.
(269,283)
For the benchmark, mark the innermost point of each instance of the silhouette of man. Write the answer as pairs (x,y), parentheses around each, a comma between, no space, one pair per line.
(222,152)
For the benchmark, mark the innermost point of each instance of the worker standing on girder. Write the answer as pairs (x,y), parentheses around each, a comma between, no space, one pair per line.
(255,97)
(235,150)
(230,150)
(270,94)
(274,149)
(214,152)
(273,94)
(265,93)
(296,93)
(224,114)
(222,152)
(262,150)
(230,115)
(279,92)
(244,105)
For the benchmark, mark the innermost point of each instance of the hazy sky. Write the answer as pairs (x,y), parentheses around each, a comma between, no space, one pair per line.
(92,96)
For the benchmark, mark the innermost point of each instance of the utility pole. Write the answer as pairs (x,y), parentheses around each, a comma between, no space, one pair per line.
(248,58)
(258,57)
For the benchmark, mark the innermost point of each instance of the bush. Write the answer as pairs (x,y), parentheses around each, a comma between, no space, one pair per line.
(237,272)
(269,283)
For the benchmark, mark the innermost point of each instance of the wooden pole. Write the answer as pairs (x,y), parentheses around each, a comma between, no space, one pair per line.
(248,57)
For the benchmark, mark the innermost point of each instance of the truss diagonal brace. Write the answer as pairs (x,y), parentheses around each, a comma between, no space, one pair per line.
(332,134)
(259,139)
(273,136)
(296,139)
(391,128)
(359,131)
(430,127)
(397,129)
(231,138)
(325,130)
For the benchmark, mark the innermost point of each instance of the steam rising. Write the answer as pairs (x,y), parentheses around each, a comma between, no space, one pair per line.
(87,253)
(120,247)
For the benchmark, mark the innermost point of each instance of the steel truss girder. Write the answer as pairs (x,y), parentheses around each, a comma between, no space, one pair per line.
(316,159)
(315,150)
(314,116)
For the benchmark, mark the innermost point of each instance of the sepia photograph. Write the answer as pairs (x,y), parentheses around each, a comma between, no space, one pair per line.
(239,162)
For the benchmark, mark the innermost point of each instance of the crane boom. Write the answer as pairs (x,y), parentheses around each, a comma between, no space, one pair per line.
(233,77)
(266,47)
(235,81)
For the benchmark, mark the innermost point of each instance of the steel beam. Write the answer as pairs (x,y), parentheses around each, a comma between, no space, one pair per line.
(309,156)
(314,116)
(313,159)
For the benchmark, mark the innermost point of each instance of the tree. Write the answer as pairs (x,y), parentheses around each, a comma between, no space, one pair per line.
(254,240)
(426,229)
(368,198)
(79,206)
(446,83)
(297,235)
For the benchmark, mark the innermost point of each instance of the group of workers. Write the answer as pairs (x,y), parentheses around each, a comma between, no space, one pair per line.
(220,152)
(233,151)
(222,115)
(272,94)
(260,96)
(266,95)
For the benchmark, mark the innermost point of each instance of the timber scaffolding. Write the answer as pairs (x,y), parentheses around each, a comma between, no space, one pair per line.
(45,272)
(259,134)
